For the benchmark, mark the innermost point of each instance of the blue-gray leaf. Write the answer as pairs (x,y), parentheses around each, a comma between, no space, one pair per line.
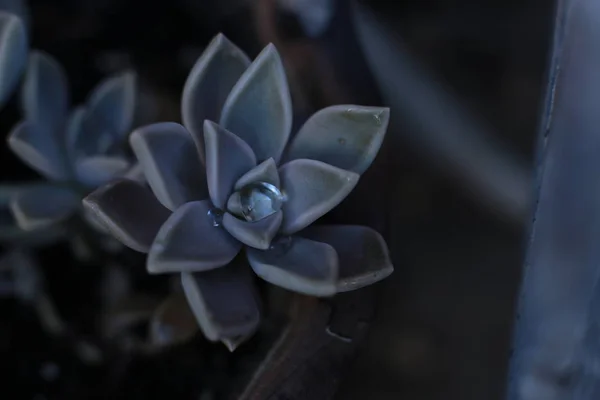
(168,156)
(45,94)
(42,206)
(209,83)
(313,188)
(190,241)
(112,103)
(38,149)
(10,231)
(363,253)
(259,107)
(306,266)
(223,302)
(13,53)
(345,136)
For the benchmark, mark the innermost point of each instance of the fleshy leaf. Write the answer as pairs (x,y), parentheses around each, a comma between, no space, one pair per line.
(345,136)
(362,251)
(112,104)
(312,189)
(173,322)
(10,231)
(38,149)
(13,53)
(256,234)
(223,302)
(263,172)
(44,205)
(259,107)
(208,84)
(45,95)
(97,170)
(189,241)
(298,264)
(18,8)
(170,162)
(234,205)
(227,158)
(129,211)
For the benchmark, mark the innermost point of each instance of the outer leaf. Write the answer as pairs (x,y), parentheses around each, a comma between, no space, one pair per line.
(345,136)
(363,254)
(13,53)
(45,94)
(306,267)
(38,149)
(112,103)
(223,302)
(189,241)
(168,156)
(42,206)
(129,210)
(208,84)
(312,188)
(259,107)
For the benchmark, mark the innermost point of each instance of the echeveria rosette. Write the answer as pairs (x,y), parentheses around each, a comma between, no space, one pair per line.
(255,200)
(76,150)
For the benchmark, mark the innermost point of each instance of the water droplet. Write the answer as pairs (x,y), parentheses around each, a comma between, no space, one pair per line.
(216,216)
(259,200)
(280,245)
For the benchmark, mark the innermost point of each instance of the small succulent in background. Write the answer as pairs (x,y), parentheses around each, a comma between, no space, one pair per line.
(76,150)
(14,46)
(263,193)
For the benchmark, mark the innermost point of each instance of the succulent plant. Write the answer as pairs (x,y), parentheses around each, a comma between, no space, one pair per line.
(216,188)
(76,150)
